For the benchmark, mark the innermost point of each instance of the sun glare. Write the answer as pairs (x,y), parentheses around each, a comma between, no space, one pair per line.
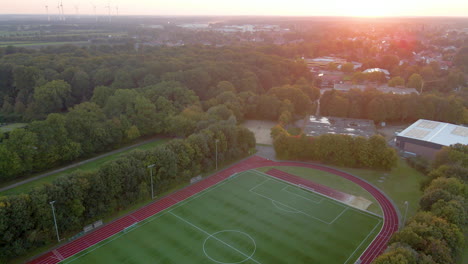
(365,8)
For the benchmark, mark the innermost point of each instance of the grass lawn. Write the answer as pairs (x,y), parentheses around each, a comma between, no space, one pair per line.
(37,44)
(250,218)
(11,127)
(331,180)
(400,184)
(93,165)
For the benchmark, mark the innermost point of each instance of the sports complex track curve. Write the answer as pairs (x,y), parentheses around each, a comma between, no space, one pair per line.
(377,246)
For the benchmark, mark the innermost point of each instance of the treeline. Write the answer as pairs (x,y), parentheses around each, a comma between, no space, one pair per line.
(117,116)
(377,106)
(94,100)
(111,118)
(24,73)
(83,197)
(435,233)
(339,150)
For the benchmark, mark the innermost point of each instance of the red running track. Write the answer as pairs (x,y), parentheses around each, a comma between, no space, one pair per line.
(375,248)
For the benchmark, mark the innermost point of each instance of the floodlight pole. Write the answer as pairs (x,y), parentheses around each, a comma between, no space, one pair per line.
(55,220)
(406,212)
(151,173)
(216,144)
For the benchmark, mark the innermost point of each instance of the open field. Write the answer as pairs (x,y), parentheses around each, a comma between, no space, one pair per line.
(40,44)
(93,165)
(331,180)
(400,184)
(11,127)
(261,129)
(250,218)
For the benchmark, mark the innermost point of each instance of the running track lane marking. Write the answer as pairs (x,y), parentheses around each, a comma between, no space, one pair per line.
(59,256)
(370,233)
(146,221)
(377,245)
(235,249)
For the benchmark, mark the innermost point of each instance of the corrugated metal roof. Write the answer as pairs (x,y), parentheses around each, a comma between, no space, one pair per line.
(436,132)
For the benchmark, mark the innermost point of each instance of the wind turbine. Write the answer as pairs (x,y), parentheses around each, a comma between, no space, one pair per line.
(47,12)
(77,10)
(109,11)
(116,10)
(61,7)
(59,12)
(94,8)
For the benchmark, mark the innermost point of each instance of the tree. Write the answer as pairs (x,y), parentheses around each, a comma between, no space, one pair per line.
(24,144)
(415,81)
(86,123)
(461,59)
(122,80)
(397,254)
(53,142)
(53,96)
(101,94)
(347,67)
(452,211)
(396,81)
(81,86)
(10,163)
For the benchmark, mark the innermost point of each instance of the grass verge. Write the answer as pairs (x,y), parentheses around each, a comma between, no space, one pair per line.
(93,165)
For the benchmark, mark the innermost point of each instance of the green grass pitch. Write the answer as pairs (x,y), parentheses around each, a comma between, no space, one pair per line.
(249,218)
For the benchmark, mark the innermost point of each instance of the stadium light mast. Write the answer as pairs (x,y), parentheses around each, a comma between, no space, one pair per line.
(406,212)
(216,144)
(55,220)
(151,173)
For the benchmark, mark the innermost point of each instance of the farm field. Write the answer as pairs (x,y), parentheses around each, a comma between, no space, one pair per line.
(248,218)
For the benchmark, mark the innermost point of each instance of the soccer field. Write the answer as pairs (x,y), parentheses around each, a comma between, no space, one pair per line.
(248,218)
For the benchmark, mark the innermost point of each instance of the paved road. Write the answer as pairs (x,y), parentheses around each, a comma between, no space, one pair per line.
(267,152)
(75,165)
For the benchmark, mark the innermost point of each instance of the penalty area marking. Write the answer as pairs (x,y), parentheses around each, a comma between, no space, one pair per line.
(275,202)
(282,209)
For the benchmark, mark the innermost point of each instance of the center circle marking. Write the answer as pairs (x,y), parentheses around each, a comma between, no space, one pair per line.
(213,236)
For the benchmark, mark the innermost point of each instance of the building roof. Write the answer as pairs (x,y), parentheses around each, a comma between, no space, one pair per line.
(440,133)
(344,87)
(377,70)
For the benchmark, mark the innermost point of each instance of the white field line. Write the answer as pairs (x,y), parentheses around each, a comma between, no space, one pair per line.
(227,244)
(363,241)
(290,207)
(338,216)
(333,200)
(286,190)
(363,212)
(146,221)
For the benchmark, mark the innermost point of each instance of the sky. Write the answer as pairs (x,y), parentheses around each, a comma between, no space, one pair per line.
(367,8)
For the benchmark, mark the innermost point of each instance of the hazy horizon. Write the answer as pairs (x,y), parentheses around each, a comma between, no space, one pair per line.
(300,8)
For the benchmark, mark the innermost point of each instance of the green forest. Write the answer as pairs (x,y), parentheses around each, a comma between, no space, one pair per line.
(81,101)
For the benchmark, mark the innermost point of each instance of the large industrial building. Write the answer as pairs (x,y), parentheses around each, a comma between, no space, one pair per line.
(425,137)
